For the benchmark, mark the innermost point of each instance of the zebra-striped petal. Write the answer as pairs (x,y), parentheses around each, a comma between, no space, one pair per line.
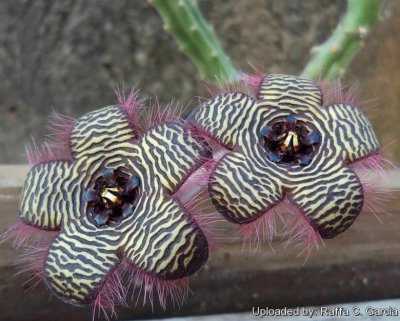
(166,242)
(241,191)
(332,202)
(222,117)
(104,131)
(351,131)
(169,153)
(78,263)
(287,92)
(44,199)
(304,145)
(116,199)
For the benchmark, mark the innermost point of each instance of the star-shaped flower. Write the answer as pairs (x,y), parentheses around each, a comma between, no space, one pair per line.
(286,145)
(114,202)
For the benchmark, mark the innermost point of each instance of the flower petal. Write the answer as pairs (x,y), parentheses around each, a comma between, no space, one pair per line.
(352,132)
(223,117)
(106,131)
(170,153)
(43,202)
(78,263)
(164,240)
(289,93)
(331,202)
(241,191)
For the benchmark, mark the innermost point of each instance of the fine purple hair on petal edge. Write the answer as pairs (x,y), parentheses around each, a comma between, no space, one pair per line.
(204,216)
(131,104)
(39,154)
(117,285)
(127,278)
(24,234)
(263,229)
(152,288)
(193,196)
(32,261)
(374,174)
(112,292)
(158,114)
(299,231)
(294,229)
(252,81)
(142,118)
(333,92)
(247,84)
(57,146)
(34,244)
(216,146)
(223,87)
(198,203)
(60,128)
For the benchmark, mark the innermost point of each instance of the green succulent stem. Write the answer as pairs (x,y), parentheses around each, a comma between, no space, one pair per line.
(332,58)
(196,38)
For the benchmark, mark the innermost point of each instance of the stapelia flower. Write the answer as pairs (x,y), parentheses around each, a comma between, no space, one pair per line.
(115,207)
(287,146)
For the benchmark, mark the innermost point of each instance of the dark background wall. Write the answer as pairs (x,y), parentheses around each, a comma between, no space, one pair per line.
(67,56)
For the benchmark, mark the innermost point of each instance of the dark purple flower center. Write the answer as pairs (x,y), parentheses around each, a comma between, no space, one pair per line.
(112,197)
(290,141)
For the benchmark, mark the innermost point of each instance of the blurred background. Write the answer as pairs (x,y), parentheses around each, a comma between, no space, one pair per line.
(67,56)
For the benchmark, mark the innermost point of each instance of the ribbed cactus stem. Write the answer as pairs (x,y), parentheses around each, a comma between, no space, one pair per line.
(332,58)
(196,38)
